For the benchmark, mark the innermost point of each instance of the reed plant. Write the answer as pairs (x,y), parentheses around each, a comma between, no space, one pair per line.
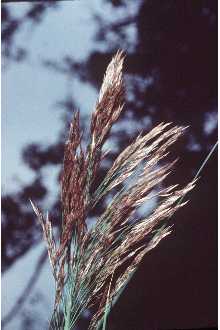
(91,267)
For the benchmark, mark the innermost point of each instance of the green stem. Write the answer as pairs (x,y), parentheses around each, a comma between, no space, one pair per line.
(205,161)
(67,318)
(201,168)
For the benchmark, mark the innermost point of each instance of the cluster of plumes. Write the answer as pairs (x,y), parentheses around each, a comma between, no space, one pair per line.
(91,267)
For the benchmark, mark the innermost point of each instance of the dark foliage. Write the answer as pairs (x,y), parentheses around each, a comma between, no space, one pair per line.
(11,26)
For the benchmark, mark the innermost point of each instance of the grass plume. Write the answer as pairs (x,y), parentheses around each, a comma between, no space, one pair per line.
(91,267)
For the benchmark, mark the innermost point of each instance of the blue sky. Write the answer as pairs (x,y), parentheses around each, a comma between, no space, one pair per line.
(30,91)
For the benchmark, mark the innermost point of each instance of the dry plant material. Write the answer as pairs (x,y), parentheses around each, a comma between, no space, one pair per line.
(91,267)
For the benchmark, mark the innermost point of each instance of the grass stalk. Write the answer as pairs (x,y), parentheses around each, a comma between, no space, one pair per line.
(87,264)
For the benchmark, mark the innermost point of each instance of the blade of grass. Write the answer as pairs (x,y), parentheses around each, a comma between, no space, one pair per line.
(201,168)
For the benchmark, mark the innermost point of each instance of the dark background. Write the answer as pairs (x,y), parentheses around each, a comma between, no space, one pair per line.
(176,51)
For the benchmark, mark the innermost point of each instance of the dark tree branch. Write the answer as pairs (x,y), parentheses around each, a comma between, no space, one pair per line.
(27,290)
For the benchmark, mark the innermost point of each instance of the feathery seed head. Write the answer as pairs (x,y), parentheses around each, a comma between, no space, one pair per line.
(84,260)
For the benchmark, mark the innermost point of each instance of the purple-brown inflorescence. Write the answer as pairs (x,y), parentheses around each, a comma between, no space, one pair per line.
(90,267)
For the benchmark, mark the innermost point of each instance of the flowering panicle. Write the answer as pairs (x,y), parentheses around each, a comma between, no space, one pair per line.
(91,267)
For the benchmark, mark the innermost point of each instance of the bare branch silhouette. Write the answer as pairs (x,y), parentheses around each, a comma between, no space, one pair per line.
(27,290)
